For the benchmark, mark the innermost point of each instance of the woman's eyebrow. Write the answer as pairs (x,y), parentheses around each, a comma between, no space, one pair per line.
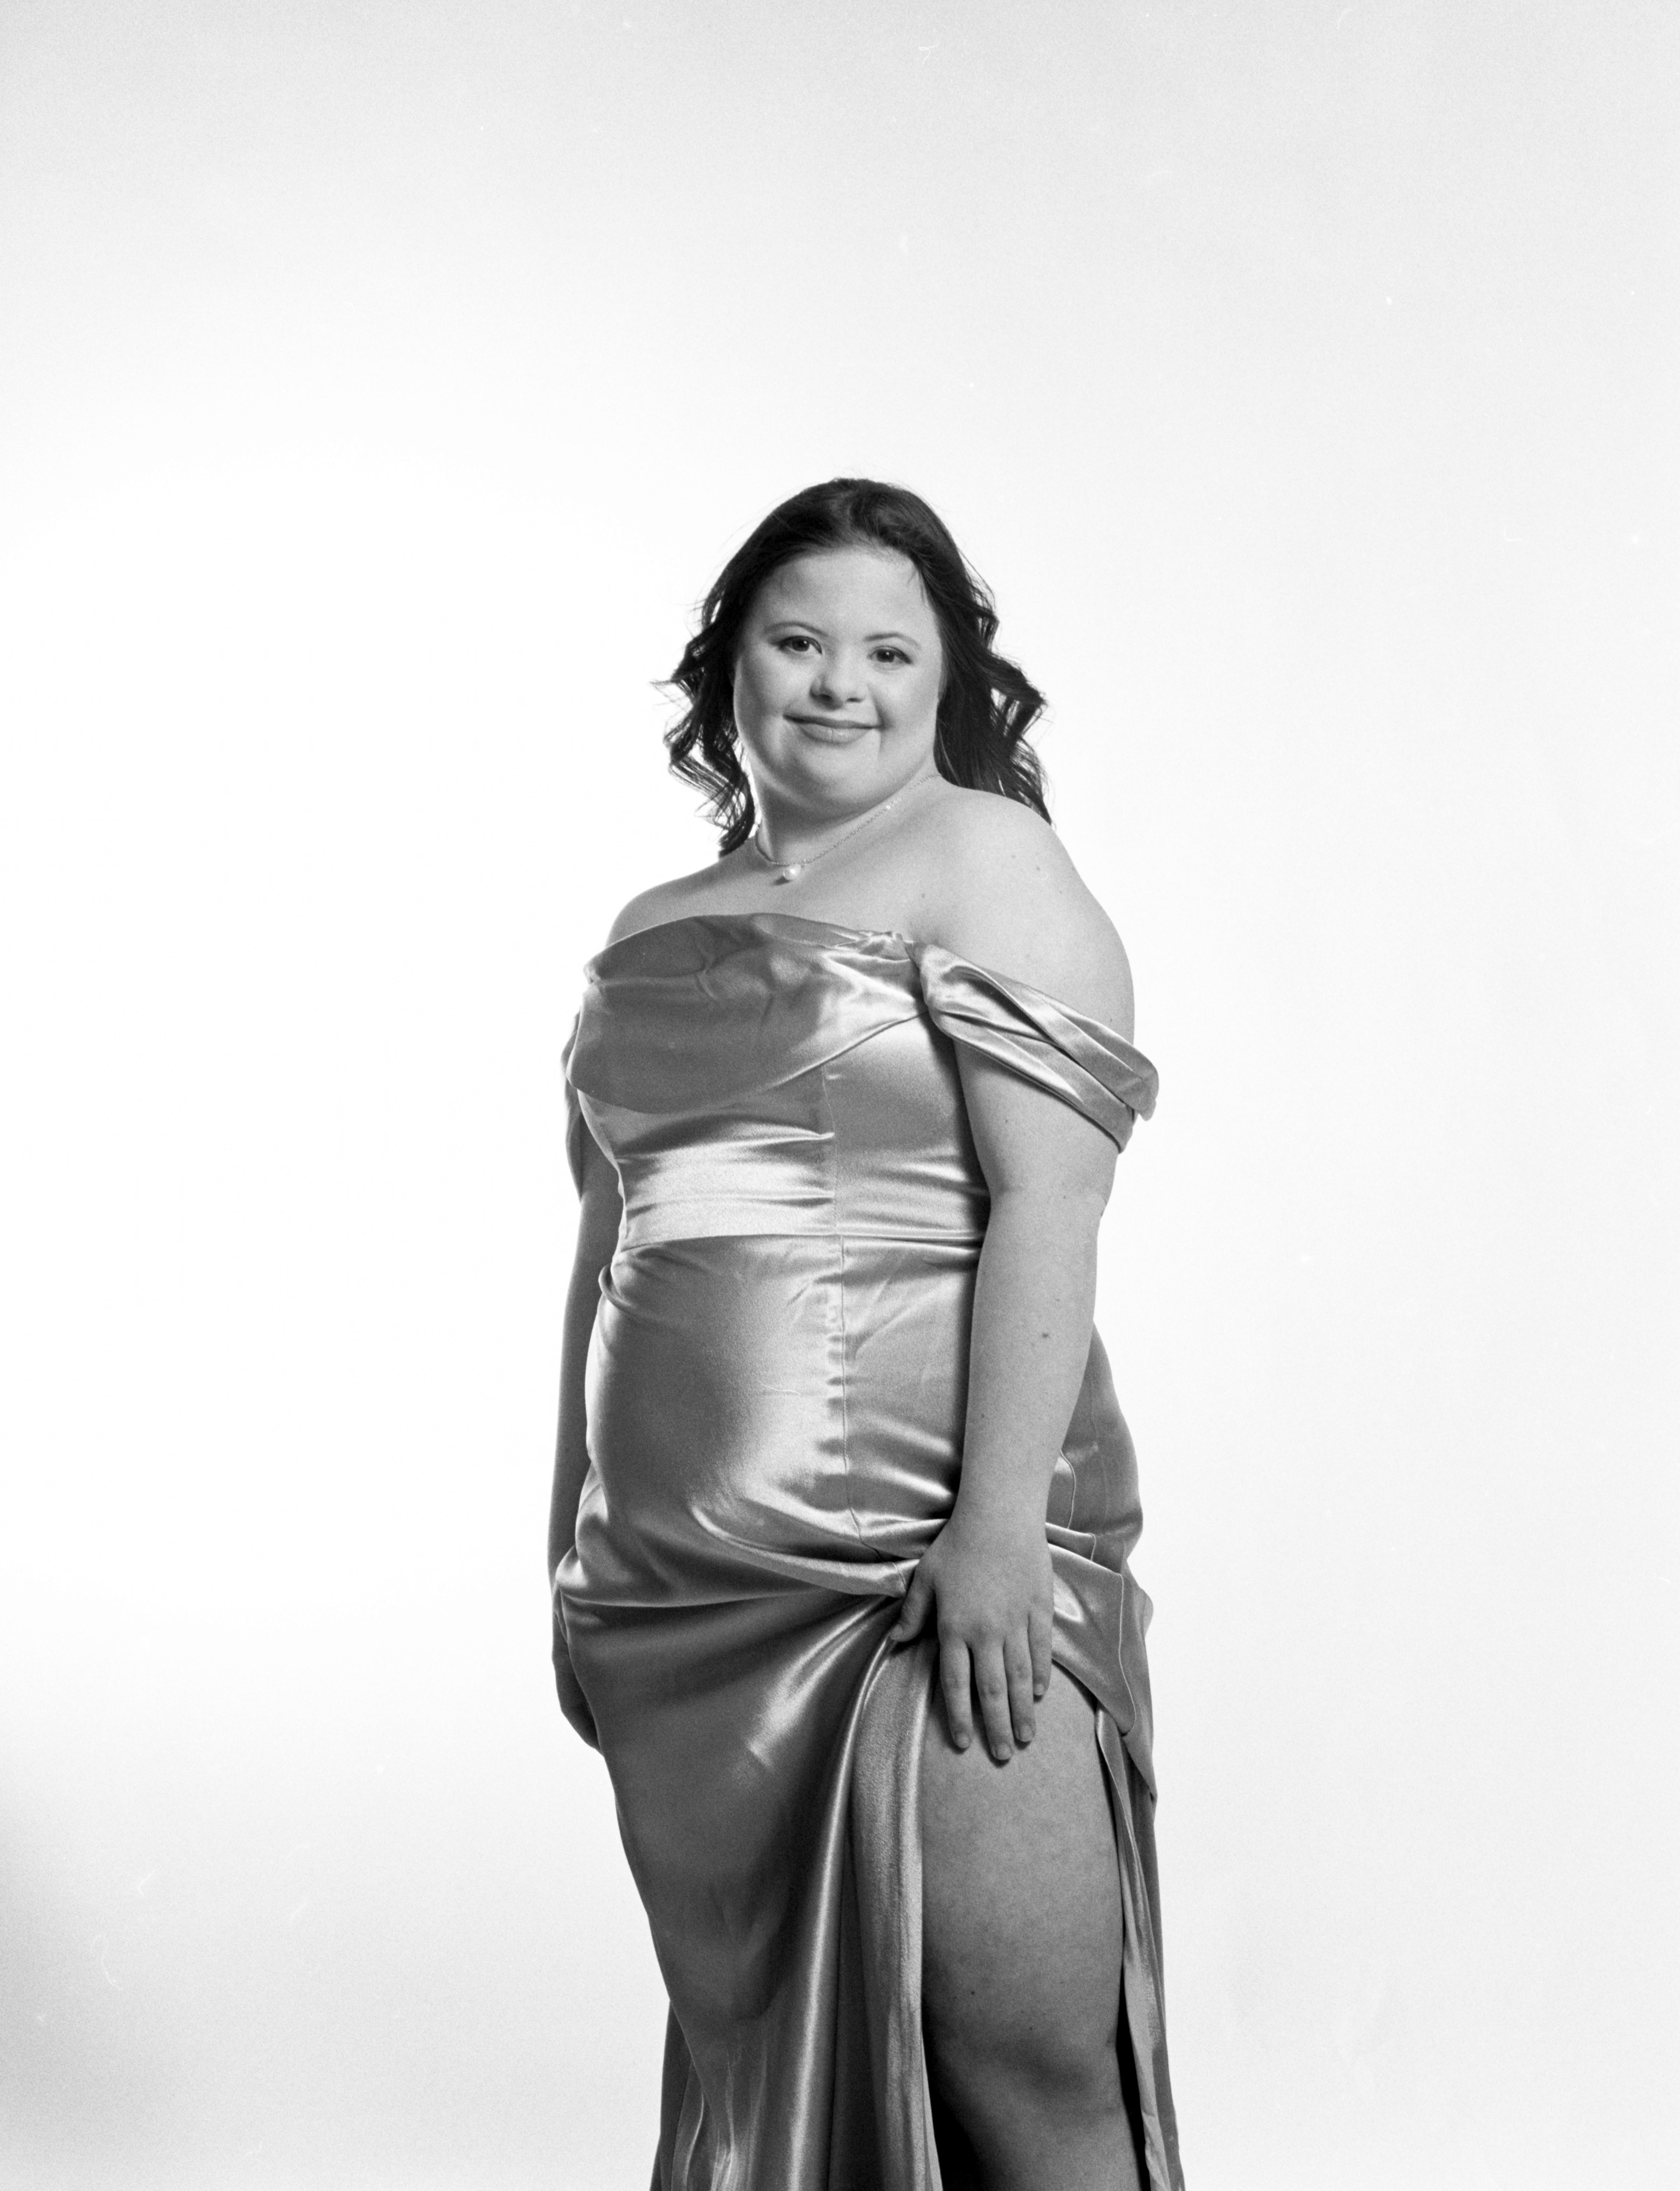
(806,623)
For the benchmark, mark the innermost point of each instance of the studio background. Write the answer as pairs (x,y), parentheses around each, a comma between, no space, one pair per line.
(380,385)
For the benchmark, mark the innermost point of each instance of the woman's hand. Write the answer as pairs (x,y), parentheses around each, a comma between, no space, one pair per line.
(573,1701)
(985,1583)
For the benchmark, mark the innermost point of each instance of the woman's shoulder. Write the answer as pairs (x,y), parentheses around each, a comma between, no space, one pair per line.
(668,901)
(1001,891)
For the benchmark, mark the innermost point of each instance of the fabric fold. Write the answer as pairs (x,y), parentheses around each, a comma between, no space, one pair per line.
(697,1013)
(575,1128)
(1088,1065)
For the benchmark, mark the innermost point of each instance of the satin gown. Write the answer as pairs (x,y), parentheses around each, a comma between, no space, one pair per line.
(776,1391)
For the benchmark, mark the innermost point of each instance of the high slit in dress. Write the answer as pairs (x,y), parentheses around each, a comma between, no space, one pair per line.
(776,1391)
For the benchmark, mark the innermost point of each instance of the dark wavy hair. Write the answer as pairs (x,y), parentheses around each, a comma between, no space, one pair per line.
(986,706)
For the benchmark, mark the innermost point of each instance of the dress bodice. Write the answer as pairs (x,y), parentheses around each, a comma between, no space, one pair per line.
(763,1073)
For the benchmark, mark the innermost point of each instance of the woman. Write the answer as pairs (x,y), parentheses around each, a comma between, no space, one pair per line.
(835,1429)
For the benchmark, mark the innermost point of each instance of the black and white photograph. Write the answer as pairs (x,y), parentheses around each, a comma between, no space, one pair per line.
(840,856)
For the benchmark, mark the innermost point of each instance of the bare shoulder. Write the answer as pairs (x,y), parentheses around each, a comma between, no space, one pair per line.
(664,901)
(1003,893)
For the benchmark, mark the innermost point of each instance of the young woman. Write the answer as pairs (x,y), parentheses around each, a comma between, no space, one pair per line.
(835,1432)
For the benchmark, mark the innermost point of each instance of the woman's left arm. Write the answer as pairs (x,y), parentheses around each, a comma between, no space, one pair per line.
(986,1580)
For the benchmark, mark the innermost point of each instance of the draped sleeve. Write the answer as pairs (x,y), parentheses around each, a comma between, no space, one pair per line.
(1084,1063)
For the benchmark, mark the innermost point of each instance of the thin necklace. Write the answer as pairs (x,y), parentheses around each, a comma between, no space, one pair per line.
(787,871)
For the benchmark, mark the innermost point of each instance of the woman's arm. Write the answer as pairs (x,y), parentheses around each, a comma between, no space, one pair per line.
(986,1580)
(597,1235)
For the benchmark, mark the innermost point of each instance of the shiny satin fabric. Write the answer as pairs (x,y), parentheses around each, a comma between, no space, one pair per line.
(776,1393)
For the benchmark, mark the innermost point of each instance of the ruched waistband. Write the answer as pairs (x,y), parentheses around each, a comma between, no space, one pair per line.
(730,1220)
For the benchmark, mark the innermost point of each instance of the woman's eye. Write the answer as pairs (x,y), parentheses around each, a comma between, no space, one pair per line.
(795,641)
(890,654)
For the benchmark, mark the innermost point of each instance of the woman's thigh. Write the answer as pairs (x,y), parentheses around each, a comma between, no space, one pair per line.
(1022,1928)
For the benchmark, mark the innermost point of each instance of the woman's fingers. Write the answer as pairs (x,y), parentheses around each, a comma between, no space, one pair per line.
(954,1681)
(1022,1691)
(1040,1638)
(991,1685)
(995,1658)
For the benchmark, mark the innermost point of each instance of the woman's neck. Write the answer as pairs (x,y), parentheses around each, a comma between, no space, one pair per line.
(785,832)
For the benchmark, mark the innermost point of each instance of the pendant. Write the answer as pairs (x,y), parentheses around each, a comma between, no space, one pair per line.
(788,873)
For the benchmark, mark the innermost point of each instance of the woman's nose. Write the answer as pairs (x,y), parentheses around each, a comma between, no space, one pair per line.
(839,680)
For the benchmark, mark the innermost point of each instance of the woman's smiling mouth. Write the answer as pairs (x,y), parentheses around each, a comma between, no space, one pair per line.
(827,726)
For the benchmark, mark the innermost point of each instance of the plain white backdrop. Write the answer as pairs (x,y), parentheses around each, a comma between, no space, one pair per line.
(381,382)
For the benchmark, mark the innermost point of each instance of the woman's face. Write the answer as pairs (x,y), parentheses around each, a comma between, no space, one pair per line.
(837,681)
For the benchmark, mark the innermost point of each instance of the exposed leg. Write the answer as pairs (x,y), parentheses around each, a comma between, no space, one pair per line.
(1022,1935)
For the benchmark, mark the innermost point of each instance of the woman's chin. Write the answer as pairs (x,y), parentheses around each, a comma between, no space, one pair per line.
(835,778)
